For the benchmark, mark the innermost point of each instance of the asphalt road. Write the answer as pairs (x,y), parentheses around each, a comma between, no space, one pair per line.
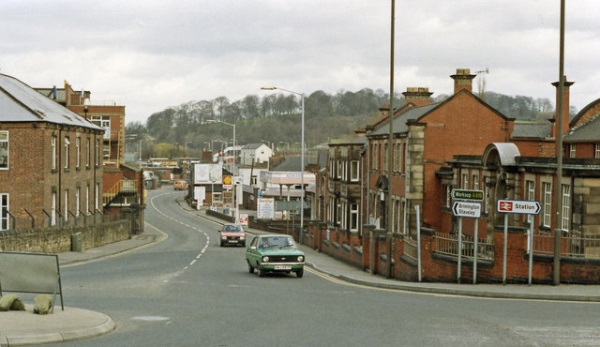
(188,291)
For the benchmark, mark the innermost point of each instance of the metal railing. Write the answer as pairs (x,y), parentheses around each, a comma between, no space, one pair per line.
(410,248)
(575,246)
(448,244)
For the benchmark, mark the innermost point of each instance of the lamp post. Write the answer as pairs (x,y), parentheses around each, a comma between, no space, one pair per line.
(301,160)
(236,214)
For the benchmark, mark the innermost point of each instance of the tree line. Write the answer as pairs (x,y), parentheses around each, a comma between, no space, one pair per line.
(275,119)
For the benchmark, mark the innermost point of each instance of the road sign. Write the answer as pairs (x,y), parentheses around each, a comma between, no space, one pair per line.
(519,206)
(467,194)
(466,209)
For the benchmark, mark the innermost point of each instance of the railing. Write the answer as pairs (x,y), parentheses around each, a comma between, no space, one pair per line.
(123,186)
(410,248)
(448,244)
(587,247)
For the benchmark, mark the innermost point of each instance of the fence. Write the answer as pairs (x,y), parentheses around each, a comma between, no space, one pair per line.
(587,247)
(448,244)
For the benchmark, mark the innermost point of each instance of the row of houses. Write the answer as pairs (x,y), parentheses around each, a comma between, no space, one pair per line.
(464,143)
(62,159)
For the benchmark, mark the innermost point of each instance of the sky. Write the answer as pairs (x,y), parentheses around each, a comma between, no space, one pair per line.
(154,54)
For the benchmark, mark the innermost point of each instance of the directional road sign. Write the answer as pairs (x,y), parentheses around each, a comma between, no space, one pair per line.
(466,209)
(467,194)
(519,206)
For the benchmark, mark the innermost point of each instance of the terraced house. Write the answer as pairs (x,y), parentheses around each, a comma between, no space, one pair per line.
(50,163)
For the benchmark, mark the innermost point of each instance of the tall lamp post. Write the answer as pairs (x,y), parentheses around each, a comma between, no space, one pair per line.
(301,160)
(235,205)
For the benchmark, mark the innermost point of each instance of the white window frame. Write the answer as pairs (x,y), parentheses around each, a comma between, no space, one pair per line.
(78,152)
(77,201)
(88,155)
(572,150)
(53,209)
(354,217)
(529,190)
(53,152)
(354,171)
(4,149)
(67,145)
(566,207)
(597,151)
(546,204)
(4,208)
(66,209)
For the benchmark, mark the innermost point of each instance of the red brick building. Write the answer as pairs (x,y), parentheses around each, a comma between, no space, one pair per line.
(50,160)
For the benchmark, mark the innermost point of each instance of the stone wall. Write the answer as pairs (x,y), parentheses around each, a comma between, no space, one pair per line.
(60,239)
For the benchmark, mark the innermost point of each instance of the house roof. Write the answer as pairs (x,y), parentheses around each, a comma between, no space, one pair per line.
(294,163)
(21,103)
(586,132)
(253,145)
(535,129)
(399,122)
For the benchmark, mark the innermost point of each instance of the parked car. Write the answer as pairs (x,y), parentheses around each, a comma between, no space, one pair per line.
(232,234)
(274,254)
(180,185)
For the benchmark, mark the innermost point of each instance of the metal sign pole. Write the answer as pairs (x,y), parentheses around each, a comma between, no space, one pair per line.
(475,251)
(530,248)
(418,242)
(459,249)
(505,248)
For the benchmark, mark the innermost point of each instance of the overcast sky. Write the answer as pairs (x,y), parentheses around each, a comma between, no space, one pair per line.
(149,55)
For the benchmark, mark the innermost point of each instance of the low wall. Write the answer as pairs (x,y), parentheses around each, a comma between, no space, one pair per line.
(60,239)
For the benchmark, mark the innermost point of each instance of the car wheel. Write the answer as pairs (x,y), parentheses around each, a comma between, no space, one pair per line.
(222,244)
(261,273)
(300,273)
(250,268)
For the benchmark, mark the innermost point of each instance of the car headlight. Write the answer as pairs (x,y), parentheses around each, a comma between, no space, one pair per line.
(265,259)
(300,258)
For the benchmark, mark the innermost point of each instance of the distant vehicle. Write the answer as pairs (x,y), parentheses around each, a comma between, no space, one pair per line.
(180,185)
(274,254)
(232,234)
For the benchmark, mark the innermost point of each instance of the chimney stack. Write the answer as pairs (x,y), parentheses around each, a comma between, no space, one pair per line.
(419,96)
(463,79)
(566,106)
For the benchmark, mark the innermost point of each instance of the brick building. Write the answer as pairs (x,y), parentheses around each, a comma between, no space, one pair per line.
(51,164)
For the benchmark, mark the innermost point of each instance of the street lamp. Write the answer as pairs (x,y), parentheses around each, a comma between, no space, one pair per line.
(301,161)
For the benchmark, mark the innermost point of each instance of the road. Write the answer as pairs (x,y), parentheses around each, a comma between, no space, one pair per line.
(188,291)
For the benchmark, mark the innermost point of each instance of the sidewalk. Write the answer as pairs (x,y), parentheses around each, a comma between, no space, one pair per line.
(17,328)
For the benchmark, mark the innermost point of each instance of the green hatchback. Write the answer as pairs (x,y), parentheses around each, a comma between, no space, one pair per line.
(274,254)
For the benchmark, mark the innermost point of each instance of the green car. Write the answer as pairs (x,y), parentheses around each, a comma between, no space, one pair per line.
(274,254)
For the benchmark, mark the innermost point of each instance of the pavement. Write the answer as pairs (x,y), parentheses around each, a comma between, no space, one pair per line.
(20,328)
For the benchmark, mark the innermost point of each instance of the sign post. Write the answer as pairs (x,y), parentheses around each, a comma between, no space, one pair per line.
(468,205)
(529,208)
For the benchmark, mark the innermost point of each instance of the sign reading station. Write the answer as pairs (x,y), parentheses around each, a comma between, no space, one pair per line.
(519,206)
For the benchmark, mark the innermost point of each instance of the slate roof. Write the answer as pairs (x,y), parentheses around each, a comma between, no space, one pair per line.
(538,130)
(586,132)
(294,163)
(21,103)
(399,122)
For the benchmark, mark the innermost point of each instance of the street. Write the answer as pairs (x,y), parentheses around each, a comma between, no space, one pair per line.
(188,291)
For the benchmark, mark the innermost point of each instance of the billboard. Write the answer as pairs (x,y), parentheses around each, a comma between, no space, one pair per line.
(208,173)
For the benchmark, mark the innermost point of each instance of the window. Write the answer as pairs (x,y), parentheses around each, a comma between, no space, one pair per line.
(4,208)
(546,203)
(448,195)
(97,197)
(529,190)
(78,152)
(103,122)
(87,200)
(353,217)
(344,212)
(77,197)
(572,150)
(88,153)
(597,151)
(566,207)
(67,144)
(66,210)
(385,158)
(53,152)
(375,157)
(53,210)
(97,151)
(354,171)
(3,150)
(476,181)
(465,181)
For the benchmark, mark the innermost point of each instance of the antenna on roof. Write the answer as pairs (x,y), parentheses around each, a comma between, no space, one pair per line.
(481,82)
